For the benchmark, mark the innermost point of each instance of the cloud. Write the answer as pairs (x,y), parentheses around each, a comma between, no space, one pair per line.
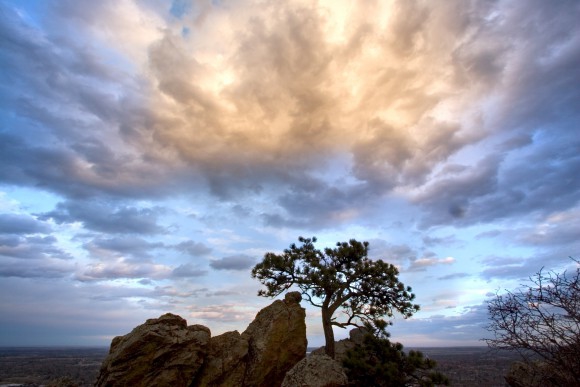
(233,262)
(66,88)
(32,247)
(397,254)
(193,248)
(127,246)
(222,313)
(422,264)
(187,271)
(417,124)
(448,200)
(170,291)
(448,240)
(557,229)
(266,108)
(316,204)
(22,224)
(103,217)
(467,327)
(36,268)
(453,276)
(122,268)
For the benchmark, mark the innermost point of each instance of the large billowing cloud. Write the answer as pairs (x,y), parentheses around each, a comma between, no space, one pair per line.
(175,140)
(253,98)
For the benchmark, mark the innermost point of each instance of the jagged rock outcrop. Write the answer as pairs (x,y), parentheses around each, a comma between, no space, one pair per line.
(166,352)
(316,371)
(271,345)
(162,352)
(225,364)
(277,341)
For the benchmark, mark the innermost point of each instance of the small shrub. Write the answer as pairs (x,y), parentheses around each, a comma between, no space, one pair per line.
(379,362)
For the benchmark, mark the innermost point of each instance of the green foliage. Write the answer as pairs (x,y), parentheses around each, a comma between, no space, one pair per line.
(342,277)
(379,362)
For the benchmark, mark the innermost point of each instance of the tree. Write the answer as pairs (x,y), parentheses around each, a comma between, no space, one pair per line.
(379,362)
(343,277)
(542,322)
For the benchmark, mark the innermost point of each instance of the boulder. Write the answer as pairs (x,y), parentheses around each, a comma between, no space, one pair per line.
(162,352)
(316,371)
(276,341)
(225,364)
(166,352)
(356,336)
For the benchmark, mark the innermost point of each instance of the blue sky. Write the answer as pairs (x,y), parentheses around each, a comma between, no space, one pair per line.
(151,152)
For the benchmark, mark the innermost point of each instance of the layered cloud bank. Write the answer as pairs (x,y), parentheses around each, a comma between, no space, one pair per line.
(152,152)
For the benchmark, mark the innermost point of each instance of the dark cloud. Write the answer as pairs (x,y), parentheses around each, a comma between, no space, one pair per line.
(32,248)
(557,236)
(187,271)
(317,208)
(36,268)
(454,276)
(103,217)
(10,240)
(521,268)
(131,247)
(397,254)
(468,326)
(437,241)
(381,158)
(233,262)
(541,183)
(449,200)
(279,221)
(537,119)
(64,124)
(22,224)
(506,271)
(194,249)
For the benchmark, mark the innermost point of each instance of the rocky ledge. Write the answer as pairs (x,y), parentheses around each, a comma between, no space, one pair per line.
(167,352)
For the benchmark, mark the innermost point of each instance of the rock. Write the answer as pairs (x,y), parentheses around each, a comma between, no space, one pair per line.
(161,352)
(277,341)
(293,297)
(271,345)
(340,349)
(316,371)
(356,336)
(226,361)
(166,352)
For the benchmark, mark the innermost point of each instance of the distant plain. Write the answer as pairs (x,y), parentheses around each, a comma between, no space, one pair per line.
(36,366)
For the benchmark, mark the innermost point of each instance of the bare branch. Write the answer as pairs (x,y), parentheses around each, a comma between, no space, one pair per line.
(542,320)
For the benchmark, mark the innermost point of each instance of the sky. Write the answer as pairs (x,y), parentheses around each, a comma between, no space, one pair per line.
(151,153)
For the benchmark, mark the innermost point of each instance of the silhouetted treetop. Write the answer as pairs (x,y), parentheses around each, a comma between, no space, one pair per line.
(343,278)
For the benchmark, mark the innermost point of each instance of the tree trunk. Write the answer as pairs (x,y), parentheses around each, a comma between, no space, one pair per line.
(328,333)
